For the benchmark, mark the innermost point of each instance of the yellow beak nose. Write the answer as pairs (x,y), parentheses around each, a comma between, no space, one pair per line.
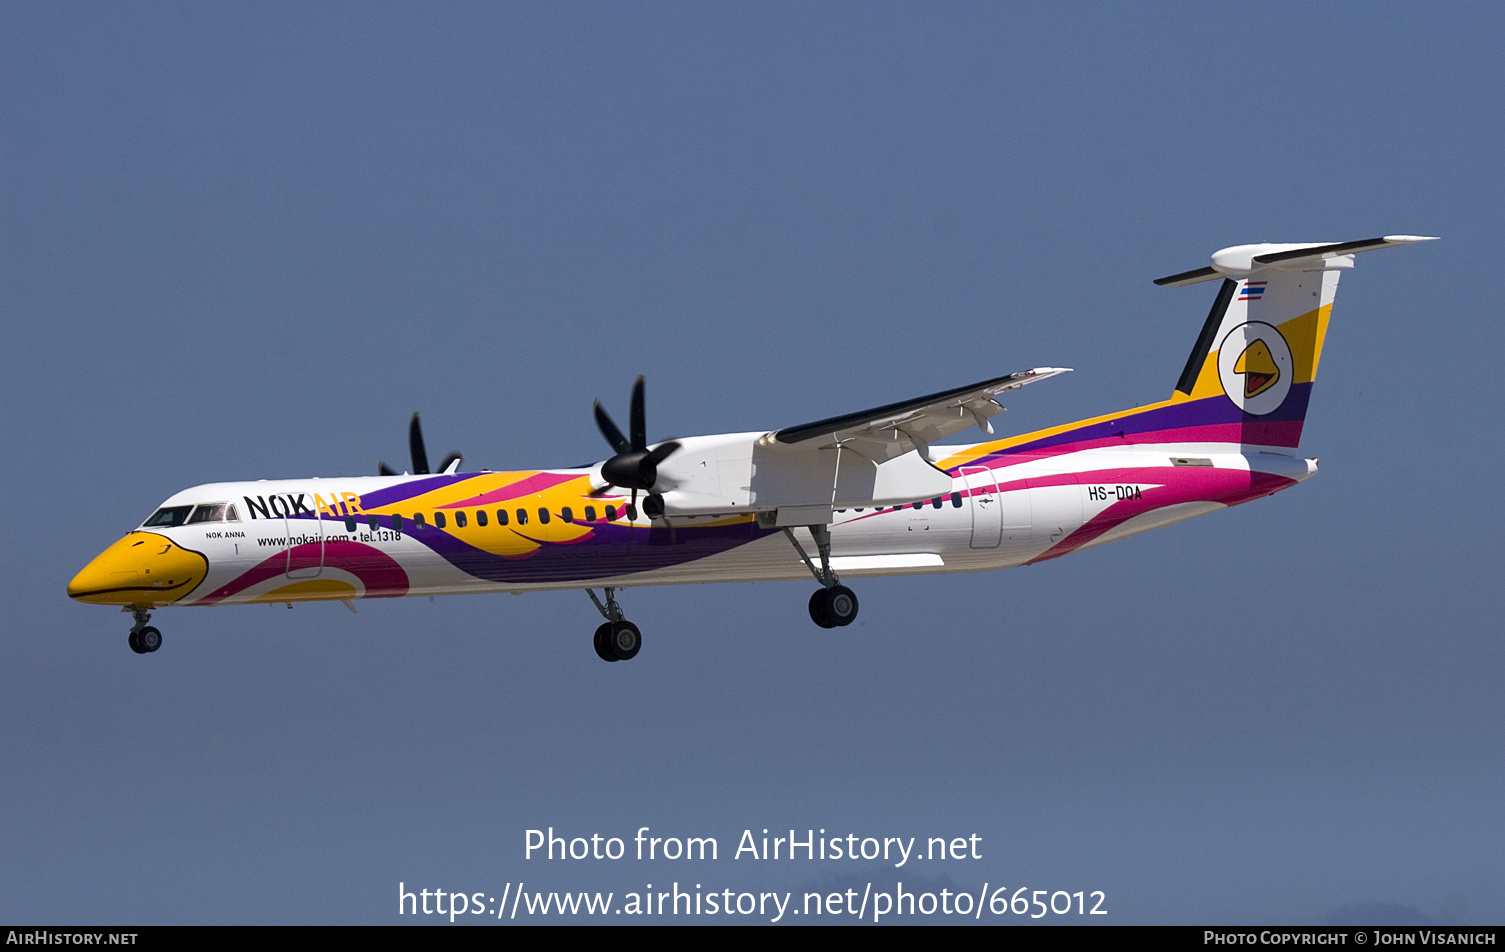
(143,569)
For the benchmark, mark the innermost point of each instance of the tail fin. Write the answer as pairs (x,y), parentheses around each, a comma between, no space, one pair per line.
(1262,341)
(1249,378)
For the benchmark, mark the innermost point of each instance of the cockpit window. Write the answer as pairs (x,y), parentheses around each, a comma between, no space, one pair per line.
(167,517)
(213,512)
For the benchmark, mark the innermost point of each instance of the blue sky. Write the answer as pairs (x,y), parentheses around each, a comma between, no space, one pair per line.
(249,241)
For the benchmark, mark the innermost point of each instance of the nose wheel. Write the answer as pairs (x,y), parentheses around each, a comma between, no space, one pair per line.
(618,639)
(144,639)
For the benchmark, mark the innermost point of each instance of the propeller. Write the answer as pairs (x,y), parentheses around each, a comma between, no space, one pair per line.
(635,466)
(420,457)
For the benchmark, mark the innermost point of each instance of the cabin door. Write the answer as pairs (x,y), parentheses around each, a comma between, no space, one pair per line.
(987,514)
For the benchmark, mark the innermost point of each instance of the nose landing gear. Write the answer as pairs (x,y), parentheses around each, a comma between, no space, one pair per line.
(144,639)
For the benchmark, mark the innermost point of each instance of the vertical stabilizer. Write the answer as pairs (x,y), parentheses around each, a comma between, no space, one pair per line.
(1249,377)
(1252,368)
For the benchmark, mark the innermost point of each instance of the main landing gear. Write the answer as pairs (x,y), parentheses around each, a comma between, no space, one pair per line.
(833,605)
(144,638)
(618,639)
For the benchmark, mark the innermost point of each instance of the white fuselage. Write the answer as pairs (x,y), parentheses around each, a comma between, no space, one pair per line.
(1025,515)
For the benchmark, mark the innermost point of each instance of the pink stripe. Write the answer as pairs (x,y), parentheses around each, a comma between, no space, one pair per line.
(378,572)
(1187,484)
(536,483)
(1282,433)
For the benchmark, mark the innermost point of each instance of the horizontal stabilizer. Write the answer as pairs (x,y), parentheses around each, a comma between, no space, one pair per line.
(1189,277)
(1243,260)
(1341,248)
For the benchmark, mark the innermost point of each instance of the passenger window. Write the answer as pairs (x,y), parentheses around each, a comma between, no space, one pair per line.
(567,514)
(396,523)
(501,517)
(371,523)
(522,517)
(349,523)
(438,520)
(632,513)
(480,517)
(590,513)
(459,518)
(956,500)
(935,503)
(418,522)
(543,516)
(611,513)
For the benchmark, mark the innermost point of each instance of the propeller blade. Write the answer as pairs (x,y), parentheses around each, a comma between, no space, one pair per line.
(663,451)
(382,469)
(609,430)
(415,447)
(451,458)
(634,466)
(639,421)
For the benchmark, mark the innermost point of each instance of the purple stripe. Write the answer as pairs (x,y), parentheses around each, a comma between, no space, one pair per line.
(1157,425)
(396,494)
(603,553)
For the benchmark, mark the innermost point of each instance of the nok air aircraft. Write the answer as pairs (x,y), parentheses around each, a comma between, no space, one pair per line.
(861,494)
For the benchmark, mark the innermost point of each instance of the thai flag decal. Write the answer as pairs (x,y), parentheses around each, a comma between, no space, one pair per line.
(1253,291)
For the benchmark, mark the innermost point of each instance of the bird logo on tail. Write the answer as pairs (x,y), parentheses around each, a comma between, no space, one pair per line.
(1254,365)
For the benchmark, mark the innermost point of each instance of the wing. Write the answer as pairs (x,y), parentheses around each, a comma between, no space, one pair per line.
(885,432)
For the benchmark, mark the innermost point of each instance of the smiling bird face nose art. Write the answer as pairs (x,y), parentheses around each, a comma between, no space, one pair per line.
(1258,367)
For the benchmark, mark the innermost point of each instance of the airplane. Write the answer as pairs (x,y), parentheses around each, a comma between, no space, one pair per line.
(862,494)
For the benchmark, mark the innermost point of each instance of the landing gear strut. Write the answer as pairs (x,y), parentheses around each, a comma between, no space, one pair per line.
(618,639)
(144,639)
(833,605)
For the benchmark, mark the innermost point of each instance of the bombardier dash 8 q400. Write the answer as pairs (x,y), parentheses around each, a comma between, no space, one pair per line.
(866,493)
